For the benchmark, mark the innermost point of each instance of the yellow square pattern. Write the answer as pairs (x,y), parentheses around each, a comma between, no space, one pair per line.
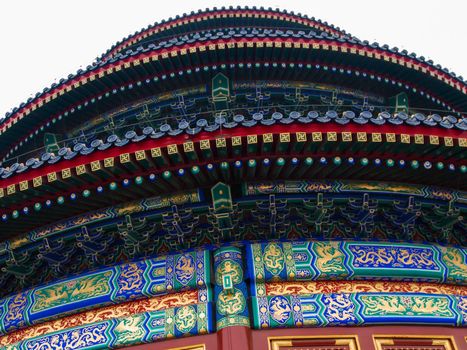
(376,137)
(51,177)
(66,173)
(317,137)
(301,136)
(331,136)
(37,181)
(124,158)
(252,139)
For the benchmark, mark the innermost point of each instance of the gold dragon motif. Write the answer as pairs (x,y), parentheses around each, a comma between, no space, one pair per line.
(422,260)
(128,329)
(273,258)
(115,311)
(131,277)
(328,287)
(373,257)
(329,257)
(384,305)
(455,262)
(71,291)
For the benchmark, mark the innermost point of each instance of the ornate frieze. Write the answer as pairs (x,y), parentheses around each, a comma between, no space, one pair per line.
(349,309)
(308,261)
(129,281)
(117,332)
(230,289)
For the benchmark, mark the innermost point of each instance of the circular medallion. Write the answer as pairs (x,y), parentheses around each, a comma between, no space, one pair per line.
(231,303)
(185,269)
(229,267)
(185,319)
(279,309)
(273,258)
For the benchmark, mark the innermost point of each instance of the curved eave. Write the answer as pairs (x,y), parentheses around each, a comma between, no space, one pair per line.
(192,21)
(447,145)
(372,148)
(83,88)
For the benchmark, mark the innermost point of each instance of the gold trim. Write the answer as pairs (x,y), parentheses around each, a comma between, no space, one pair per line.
(434,140)
(390,137)
(51,177)
(172,149)
(268,138)
(252,139)
(81,169)
(37,181)
(361,137)
(188,146)
(204,144)
(316,136)
(66,173)
(351,340)
(140,155)
(95,165)
(23,185)
(221,142)
(346,136)
(284,137)
(301,136)
(190,347)
(419,139)
(10,189)
(444,340)
(156,152)
(108,162)
(236,141)
(405,138)
(331,136)
(124,158)
(376,137)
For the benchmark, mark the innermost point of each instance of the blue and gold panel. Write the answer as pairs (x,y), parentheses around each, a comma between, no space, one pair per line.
(323,186)
(2,314)
(76,293)
(125,282)
(417,262)
(140,328)
(462,307)
(403,308)
(230,288)
(16,315)
(455,260)
(345,309)
(324,260)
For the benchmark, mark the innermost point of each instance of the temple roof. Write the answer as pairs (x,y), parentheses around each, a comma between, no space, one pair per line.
(315,133)
(78,90)
(222,18)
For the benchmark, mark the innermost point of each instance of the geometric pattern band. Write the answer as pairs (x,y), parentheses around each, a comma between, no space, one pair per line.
(152,277)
